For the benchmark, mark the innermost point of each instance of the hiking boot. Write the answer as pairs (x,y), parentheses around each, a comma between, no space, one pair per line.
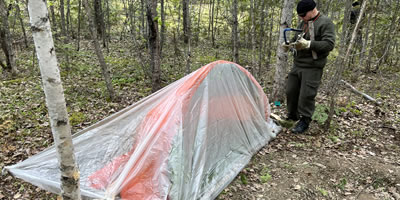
(291,118)
(301,126)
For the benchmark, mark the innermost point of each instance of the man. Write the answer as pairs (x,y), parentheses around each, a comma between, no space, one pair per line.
(305,75)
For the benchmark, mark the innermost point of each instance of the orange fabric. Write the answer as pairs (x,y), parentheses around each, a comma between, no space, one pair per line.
(162,123)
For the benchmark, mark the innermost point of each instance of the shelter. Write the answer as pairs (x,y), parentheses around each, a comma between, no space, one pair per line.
(187,141)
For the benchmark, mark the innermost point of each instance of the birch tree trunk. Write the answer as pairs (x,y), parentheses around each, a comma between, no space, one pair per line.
(235,36)
(104,68)
(281,67)
(55,101)
(6,40)
(341,63)
(154,43)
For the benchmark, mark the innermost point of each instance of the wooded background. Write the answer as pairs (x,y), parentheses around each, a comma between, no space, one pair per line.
(111,53)
(180,36)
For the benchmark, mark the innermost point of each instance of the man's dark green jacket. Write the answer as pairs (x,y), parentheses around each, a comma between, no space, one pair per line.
(324,42)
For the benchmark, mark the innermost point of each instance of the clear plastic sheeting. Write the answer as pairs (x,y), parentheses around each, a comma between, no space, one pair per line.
(186,141)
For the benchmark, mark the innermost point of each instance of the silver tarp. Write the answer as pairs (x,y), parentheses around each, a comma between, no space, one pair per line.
(186,141)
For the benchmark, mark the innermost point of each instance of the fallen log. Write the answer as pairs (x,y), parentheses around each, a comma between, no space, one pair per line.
(353,89)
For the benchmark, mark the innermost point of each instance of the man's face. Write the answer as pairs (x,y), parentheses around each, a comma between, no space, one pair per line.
(305,16)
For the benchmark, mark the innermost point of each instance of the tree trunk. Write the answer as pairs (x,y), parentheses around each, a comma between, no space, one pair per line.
(389,37)
(162,34)
(68,17)
(107,35)
(62,15)
(210,17)
(235,36)
(198,23)
(365,42)
(21,21)
(55,100)
(105,70)
(99,20)
(212,23)
(178,27)
(154,44)
(252,38)
(65,34)
(142,18)
(6,41)
(341,65)
(79,25)
(215,25)
(53,18)
(269,47)
(188,34)
(281,67)
(263,14)
(346,26)
(185,13)
(396,63)
(132,19)
(371,50)
(126,20)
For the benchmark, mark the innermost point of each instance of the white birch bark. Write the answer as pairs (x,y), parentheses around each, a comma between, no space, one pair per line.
(55,101)
(281,67)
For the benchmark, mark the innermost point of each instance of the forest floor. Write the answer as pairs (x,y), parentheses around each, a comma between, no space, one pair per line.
(357,158)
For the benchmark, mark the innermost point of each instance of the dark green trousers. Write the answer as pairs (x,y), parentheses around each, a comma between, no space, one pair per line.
(302,87)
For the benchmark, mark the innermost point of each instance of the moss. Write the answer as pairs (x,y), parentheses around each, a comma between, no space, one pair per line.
(76,118)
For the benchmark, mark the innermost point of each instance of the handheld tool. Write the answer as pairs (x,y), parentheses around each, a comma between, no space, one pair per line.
(290,29)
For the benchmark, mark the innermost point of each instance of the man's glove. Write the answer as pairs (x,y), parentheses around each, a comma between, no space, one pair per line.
(286,47)
(302,44)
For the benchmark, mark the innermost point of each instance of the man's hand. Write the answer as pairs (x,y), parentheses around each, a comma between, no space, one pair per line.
(302,44)
(286,47)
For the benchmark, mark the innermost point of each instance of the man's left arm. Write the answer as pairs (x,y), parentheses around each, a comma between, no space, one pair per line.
(327,42)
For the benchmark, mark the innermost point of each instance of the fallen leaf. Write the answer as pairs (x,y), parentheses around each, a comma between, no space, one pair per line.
(297,187)
(17,196)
